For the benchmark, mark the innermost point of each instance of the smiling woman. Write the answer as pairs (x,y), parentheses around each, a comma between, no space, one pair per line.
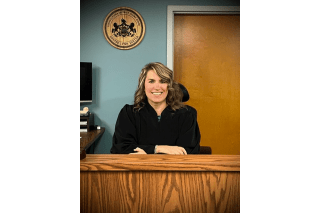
(156,91)
(158,122)
(157,71)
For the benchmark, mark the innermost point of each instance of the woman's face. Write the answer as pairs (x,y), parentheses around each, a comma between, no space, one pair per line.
(155,89)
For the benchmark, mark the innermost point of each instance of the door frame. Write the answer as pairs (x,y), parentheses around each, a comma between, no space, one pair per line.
(172,9)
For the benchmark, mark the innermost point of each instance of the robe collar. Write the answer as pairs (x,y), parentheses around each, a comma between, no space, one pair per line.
(151,110)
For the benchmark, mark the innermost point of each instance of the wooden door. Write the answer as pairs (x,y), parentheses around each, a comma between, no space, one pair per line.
(207,63)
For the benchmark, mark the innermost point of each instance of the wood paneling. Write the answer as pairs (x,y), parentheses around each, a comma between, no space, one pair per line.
(207,63)
(140,190)
(102,162)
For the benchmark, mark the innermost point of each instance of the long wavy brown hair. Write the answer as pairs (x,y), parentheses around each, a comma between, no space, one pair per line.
(174,97)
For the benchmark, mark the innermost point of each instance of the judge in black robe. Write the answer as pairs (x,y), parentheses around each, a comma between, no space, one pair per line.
(143,129)
(158,122)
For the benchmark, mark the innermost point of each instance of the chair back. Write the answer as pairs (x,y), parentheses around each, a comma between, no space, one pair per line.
(206,150)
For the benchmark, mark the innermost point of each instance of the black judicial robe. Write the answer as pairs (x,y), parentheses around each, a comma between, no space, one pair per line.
(142,129)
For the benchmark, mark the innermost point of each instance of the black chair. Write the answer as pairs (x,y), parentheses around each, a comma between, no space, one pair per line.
(205,150)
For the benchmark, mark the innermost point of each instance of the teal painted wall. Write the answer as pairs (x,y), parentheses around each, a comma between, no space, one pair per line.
(116,72)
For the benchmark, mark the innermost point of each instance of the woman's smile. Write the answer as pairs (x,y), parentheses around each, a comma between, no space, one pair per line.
(157,93)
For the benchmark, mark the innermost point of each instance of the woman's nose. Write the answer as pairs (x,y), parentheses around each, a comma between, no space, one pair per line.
(157,85)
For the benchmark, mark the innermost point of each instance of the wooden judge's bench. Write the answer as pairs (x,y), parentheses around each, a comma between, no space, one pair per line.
(160,183)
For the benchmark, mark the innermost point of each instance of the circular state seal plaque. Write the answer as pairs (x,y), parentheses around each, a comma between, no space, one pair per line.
(124,28)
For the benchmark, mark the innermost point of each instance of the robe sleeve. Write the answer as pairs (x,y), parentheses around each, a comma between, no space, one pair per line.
(125,138)
(189,135)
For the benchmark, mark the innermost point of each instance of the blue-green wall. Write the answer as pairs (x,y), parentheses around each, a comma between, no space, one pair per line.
(115,72)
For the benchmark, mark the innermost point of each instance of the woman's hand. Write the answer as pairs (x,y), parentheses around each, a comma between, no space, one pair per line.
(138,151)
(173,150)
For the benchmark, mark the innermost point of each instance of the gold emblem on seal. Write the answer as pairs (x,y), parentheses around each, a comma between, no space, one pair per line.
(124,28)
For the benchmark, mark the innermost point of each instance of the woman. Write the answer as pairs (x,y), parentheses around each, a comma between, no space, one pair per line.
(157,122)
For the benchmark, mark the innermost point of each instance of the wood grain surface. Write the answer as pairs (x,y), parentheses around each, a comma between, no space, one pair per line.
(160,192)
(135,190)
(207,63)
(105,162)
(87,139)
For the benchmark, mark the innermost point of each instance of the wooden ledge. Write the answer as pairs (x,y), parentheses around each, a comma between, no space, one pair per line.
(112,162)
